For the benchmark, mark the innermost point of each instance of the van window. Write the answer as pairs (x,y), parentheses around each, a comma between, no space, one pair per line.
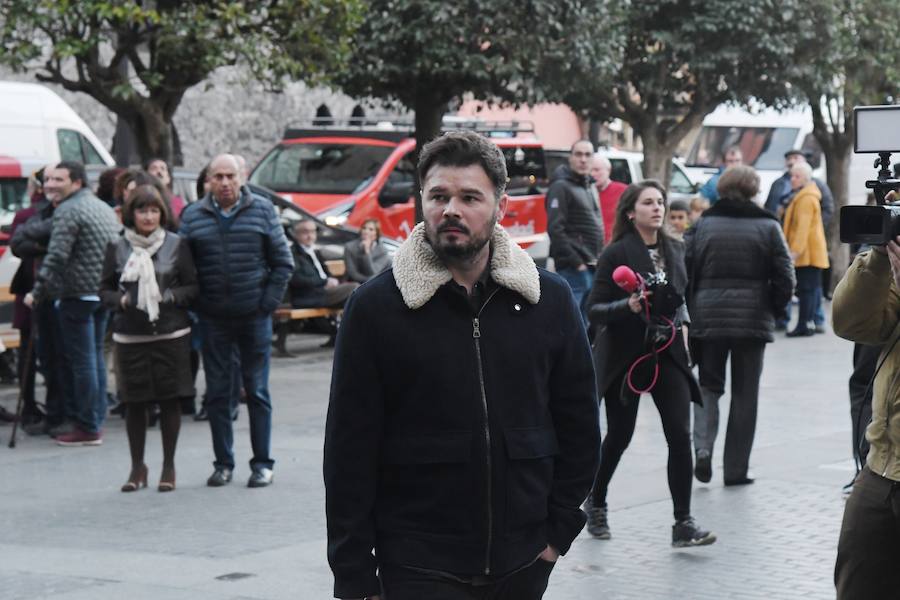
(13,194)
(321,168)
(69,145)
(620,171)
(526,170)
(91,156)
(762,147)
(680,183)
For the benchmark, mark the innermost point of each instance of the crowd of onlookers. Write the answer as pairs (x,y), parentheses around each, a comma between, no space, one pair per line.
(133,277)
(724,268)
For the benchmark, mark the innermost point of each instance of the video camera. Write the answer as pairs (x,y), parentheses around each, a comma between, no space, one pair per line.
(877,132)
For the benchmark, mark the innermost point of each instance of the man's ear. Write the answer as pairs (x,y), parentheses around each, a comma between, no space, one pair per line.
(502,206)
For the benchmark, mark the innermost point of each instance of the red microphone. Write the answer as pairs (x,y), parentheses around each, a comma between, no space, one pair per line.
(627,279)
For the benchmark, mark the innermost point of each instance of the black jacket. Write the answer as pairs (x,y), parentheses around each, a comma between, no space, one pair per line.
(243,263)
(29,242)
(741,272)
(621,335)
(306,286)
(175,275)
(453,442)
(573,220)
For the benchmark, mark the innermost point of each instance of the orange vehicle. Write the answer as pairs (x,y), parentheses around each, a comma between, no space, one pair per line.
(346,174)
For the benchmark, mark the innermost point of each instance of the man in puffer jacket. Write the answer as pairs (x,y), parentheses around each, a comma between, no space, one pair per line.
(866,310)
(83,225)
(574,223)
(243,266)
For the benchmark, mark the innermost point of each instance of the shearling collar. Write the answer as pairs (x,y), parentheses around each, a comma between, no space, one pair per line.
(419,273)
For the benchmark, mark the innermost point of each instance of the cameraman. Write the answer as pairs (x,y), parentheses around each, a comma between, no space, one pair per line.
(641,348)
(866,309)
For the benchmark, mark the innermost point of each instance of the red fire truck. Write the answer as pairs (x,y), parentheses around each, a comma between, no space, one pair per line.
(351,171)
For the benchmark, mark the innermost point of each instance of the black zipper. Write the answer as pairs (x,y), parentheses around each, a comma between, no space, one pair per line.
(476,335)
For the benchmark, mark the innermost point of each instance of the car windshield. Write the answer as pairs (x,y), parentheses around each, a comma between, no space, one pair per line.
(525,168)
(319,168)
(762,147)
(13,194)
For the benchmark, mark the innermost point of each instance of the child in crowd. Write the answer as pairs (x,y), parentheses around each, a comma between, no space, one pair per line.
(677,219)
(699,204)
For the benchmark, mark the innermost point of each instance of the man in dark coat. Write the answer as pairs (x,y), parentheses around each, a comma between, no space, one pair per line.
(311,283)
(243,265)
(574,223)
(462,431)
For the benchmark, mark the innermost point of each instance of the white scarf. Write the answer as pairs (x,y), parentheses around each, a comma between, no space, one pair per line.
(139,267)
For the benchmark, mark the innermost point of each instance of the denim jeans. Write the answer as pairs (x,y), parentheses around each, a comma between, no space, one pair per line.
(252,337)
(809,291)
(84,324)
(580,283)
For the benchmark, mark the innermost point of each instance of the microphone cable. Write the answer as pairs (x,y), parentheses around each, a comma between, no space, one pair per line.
(654,354)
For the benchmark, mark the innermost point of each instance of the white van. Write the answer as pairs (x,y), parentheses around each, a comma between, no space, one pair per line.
(763,137)
(37,128)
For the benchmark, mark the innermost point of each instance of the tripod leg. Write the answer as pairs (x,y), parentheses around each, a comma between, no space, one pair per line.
(20,403)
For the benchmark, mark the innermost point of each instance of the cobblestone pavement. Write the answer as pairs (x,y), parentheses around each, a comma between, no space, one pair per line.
(69,534)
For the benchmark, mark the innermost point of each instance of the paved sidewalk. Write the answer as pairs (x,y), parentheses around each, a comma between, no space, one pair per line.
(69,534)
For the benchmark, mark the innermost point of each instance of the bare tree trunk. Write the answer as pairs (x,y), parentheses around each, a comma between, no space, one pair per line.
(429,119)
(837,161)
(657,156)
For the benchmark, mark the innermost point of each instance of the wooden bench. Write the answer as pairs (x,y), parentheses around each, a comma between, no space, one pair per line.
(8,335)
(337,268)
(297,314)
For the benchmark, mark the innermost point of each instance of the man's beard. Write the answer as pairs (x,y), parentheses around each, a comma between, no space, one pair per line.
(459,252)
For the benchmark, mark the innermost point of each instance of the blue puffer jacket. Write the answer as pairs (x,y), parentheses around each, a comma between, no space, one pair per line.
(242,267)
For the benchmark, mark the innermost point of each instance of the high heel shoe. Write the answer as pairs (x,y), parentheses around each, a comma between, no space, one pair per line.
(166,485)
(133,485)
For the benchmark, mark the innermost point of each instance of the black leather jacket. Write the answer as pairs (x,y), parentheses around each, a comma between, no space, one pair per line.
(177,281)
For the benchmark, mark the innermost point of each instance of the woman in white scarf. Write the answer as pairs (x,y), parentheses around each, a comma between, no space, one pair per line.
(149,281)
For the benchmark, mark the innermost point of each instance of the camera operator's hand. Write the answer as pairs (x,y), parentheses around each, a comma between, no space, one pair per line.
(634,301)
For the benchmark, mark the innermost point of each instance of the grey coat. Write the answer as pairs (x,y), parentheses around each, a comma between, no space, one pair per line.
(361,266)
(83,225)
(740,272)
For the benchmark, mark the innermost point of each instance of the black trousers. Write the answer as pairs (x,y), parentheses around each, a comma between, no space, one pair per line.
(869,546)
(672,396)
(403,583)
(864,363)
(746,369)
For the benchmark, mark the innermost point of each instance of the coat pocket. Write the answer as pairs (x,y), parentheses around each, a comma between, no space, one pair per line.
(426,484)
(531,452)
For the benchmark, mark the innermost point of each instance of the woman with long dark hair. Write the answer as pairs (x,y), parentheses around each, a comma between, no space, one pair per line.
(149,280)
(640,348)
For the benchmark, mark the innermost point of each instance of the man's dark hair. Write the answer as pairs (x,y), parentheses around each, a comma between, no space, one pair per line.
(462,149)
(201,181)
(145,195)
(679,205)
(581,141)
(794,152)
(76,171)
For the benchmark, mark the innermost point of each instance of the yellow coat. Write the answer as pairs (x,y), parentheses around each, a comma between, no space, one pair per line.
(803,229)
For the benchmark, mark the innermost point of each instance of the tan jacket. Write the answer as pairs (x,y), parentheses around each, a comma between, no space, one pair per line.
(804,230)
(866,309)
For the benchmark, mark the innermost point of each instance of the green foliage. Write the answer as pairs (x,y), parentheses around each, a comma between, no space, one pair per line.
(171,45)
(430,52)
(677,60)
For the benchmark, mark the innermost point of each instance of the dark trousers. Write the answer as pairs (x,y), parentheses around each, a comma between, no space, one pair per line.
(746,369)
(402,583)
(672,396)
(869,545)
(864,363)
(26,380)
(252,338)
(51,361)
(84,324)
(809,292)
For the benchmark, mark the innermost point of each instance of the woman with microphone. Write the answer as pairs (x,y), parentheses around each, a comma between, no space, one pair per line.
(640,348)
